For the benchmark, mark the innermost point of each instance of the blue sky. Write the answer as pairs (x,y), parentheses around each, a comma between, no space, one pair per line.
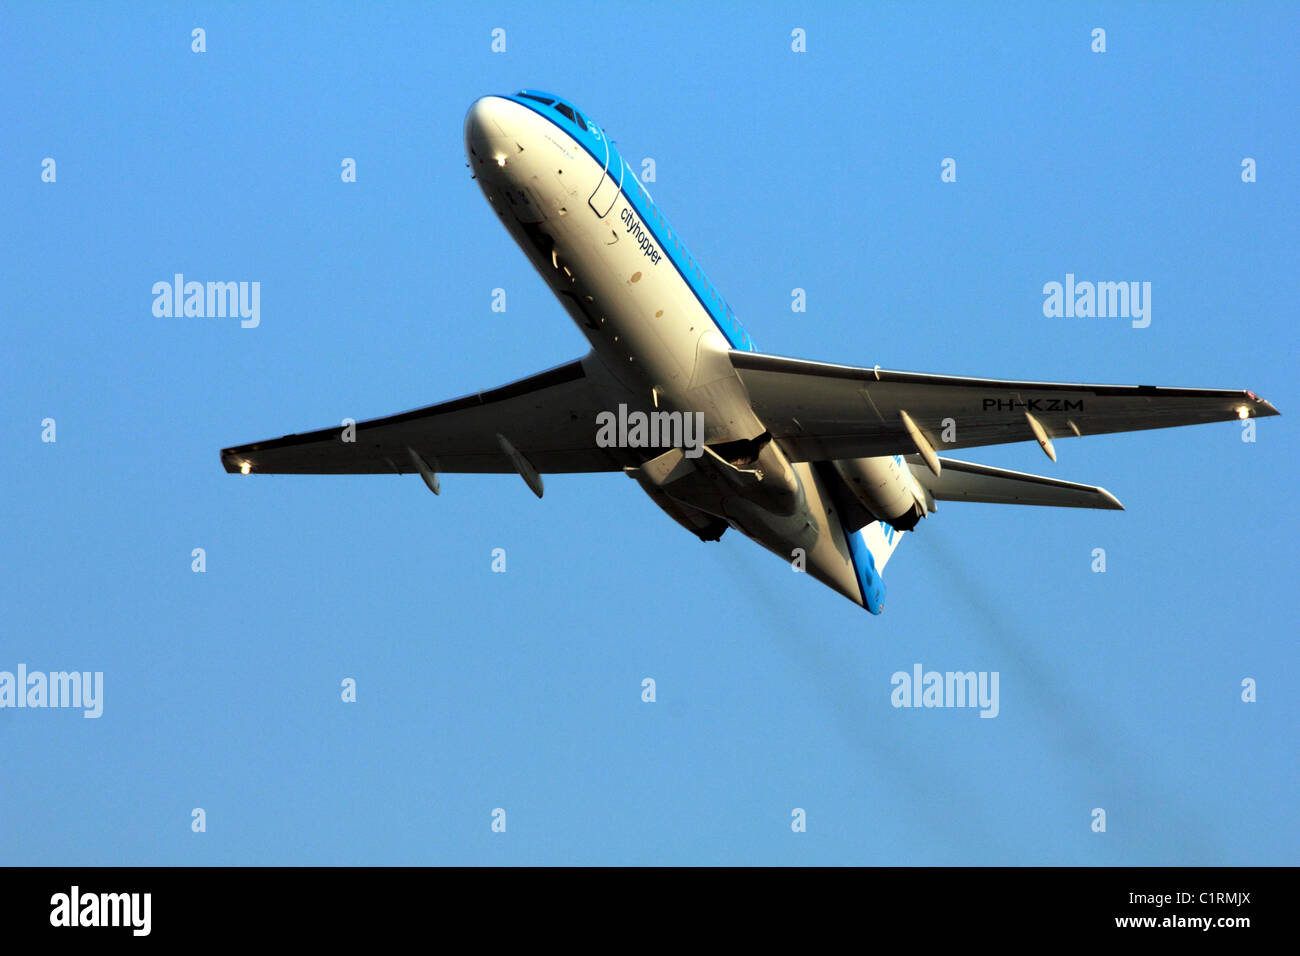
(522,690)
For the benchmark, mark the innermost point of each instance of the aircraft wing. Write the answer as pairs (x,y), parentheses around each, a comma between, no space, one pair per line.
(550,418)
(821,412)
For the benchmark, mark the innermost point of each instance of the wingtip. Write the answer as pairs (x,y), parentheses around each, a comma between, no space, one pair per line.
(1259,407)
(233,462)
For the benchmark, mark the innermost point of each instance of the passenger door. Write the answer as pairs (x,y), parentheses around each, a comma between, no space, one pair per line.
(606,192)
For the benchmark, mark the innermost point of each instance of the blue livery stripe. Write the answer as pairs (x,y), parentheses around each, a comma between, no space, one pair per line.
(864,566)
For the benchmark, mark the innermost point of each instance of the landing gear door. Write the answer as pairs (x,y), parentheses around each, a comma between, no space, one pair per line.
(607,190)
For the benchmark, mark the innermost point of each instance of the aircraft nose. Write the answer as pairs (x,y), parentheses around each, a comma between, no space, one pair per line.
(485,126)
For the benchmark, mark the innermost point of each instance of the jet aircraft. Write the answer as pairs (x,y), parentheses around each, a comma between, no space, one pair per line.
(827,466)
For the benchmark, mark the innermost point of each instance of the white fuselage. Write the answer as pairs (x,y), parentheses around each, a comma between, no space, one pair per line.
(654,345)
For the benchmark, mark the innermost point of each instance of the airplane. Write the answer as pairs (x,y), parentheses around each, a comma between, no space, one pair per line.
(825,465)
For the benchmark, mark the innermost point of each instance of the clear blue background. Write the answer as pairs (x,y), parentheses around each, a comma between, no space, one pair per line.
(522,690)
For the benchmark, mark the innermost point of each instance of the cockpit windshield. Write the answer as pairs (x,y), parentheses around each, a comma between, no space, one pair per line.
(561,107)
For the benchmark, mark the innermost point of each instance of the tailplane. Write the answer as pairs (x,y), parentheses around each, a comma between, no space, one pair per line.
(965,481)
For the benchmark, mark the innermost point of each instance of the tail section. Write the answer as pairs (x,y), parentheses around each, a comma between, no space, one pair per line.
(870,548)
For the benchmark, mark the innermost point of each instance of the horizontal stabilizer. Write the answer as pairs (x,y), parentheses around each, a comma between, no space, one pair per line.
(965,481)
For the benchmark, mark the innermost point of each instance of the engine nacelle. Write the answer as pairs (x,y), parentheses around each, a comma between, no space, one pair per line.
(887,488)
